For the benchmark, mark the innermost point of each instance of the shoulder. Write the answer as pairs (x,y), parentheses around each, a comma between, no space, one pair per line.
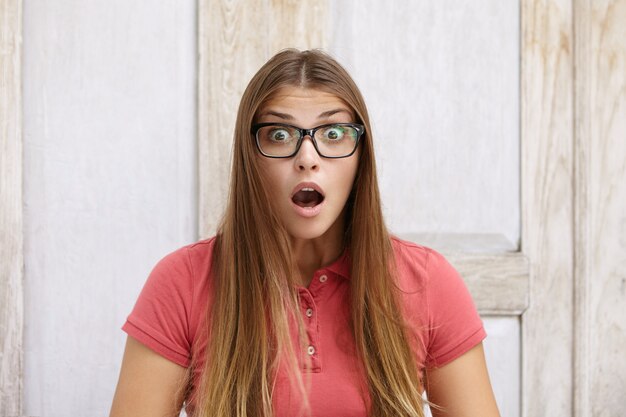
(418,263)
(171,305)
(435,293)
(408,248)
(179,278)
(423,268)
(409,256)
(199,251)
(182,264)
(414,252)
(186,261)
(199,254)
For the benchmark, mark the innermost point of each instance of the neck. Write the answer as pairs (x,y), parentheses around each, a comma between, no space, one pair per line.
(313,254)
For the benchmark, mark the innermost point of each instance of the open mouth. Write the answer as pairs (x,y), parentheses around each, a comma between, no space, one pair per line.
(307,197)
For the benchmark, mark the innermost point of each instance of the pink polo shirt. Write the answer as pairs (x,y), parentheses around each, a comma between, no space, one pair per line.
(442,318)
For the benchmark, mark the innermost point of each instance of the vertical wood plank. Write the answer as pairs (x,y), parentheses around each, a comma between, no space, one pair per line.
(297,24)
(600,201)
(444,76)
(582,244)
(235,39)
(11,237)
(606,109)
(231,47)
(547,212)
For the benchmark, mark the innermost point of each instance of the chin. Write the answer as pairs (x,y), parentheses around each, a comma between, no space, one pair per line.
(307,232)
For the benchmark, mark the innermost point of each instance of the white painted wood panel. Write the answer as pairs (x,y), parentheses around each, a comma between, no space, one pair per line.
(600,147)
(109,99)
(441,79)
(547,206)
(110,174)
(503,354)
(498,283)
(582,241)
(11,219)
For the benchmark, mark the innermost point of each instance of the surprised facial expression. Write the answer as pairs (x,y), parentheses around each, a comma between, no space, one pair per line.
(310,191)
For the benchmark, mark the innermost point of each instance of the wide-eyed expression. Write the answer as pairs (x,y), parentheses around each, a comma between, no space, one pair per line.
(310,191)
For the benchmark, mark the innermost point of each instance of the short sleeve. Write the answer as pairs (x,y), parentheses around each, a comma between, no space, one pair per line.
(161,316)
(454,324)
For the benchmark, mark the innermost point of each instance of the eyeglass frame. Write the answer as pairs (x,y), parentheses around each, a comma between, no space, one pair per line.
(360,129)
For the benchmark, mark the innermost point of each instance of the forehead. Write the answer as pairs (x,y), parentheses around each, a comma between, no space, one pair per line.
(297,100)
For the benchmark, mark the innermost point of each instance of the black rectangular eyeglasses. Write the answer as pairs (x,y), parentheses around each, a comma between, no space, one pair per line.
(334,140)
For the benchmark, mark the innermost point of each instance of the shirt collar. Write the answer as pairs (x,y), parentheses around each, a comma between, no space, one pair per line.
(341,266)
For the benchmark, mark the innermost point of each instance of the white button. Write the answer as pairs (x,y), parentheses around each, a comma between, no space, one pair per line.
(323,278)
(309,312)
(310,350)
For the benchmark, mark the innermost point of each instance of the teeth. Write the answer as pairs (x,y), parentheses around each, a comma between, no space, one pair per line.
(307,189)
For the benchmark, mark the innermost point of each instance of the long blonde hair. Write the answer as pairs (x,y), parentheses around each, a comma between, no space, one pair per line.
(255,294)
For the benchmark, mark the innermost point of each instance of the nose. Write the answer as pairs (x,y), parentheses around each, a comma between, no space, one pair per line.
(307,157)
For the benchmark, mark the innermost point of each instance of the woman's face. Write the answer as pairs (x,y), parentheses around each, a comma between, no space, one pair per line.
(308,214)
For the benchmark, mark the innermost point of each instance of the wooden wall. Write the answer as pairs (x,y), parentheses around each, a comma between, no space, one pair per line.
(109,93)
(441,79)
(235,39)
(547,205)
(565,282)
(574,206)
(600,208)
(11,237)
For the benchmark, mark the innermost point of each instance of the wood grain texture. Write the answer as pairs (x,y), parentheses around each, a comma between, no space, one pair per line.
(235,39)
(441,81)
(600,202)
(605,82)
(582,202)
(498,283)
(230,50)
(547,206)
(11,235)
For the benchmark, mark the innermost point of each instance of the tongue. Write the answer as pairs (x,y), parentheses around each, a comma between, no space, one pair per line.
(307,198)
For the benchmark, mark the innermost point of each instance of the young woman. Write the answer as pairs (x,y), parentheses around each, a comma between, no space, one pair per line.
(303,304)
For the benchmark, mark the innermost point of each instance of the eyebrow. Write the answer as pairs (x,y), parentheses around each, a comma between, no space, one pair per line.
(283,116)
(329,113)
(324,115)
